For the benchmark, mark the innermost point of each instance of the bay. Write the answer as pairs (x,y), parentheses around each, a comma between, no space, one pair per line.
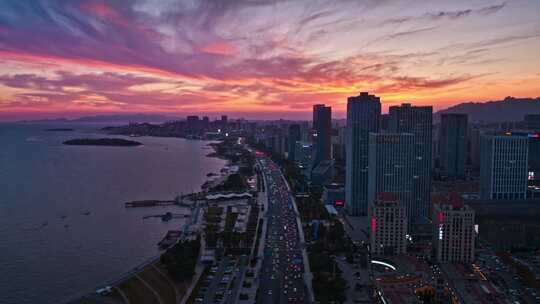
(63,226)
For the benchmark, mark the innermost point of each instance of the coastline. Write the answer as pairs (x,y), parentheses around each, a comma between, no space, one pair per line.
(139,268)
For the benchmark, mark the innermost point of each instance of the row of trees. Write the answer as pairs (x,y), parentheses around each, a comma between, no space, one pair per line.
(328,283)
(234,183)
(180,260)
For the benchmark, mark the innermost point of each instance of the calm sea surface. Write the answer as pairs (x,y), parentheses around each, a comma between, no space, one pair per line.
(50,250)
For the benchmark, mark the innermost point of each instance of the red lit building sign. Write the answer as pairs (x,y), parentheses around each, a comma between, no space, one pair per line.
(373,224)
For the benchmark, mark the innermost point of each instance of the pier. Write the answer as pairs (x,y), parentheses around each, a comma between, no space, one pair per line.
(171,216)
(149,203)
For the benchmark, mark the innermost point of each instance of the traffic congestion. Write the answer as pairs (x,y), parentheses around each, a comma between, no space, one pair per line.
(281,276)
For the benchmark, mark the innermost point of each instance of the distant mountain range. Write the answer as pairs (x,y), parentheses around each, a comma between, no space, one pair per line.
(508,109)
(113,118)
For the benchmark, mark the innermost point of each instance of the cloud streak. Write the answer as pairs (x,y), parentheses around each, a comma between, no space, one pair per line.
(449,15)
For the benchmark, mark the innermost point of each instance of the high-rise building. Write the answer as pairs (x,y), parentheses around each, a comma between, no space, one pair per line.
(391,167)
(303,154)
(281,141)
(224,119)
(316,114)
(474,136)
(418,121)
(388,234)
(192,124)
(322,126)
(295,135)
(453,145)
(205,123)
(534,159)
(532,121)
(363,117)
(384,121)
(338,143)
(503,167)
(453,231)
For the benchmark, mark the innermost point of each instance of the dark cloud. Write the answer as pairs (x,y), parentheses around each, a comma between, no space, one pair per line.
(98,90)
(491,9)
(410,32)
(451,15)
(93,82)
(408,84)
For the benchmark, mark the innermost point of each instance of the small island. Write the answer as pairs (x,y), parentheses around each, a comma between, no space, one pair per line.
(60,130)
(116,142)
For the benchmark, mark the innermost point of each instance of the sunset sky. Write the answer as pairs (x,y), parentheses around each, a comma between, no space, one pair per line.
(261,59)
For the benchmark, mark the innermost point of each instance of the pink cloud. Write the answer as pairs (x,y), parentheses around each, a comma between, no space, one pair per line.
(219,48)
(100,9)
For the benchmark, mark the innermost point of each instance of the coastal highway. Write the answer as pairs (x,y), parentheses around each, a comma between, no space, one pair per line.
(281,278)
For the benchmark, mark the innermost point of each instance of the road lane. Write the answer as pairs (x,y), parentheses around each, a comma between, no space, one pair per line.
(281,275)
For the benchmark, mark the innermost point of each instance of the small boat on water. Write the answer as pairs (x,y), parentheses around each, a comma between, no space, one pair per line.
(86,213)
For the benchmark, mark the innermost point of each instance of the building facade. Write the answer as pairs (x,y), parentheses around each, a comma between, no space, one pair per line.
(504,167)
(453,145)
(322,127)
(295,135)
(417,120)
(391,167)
(303,154)
(388,235)
(333,194)
(363,117)
(453,235)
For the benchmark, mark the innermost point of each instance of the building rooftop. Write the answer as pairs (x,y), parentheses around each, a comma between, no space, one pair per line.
(453,200)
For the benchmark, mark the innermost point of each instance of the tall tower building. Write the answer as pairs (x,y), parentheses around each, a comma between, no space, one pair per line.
(391,167)
(388,235)
(474,135)
(322,125)
(453,234)
(453,145)
(363,117)
(418,121)
(295,135)
(503,167)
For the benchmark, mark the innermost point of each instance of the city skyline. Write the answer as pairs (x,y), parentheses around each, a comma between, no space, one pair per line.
(270,151)
(260,59)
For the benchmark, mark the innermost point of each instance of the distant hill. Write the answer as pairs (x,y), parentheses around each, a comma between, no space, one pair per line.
(508,109)
(112,118)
